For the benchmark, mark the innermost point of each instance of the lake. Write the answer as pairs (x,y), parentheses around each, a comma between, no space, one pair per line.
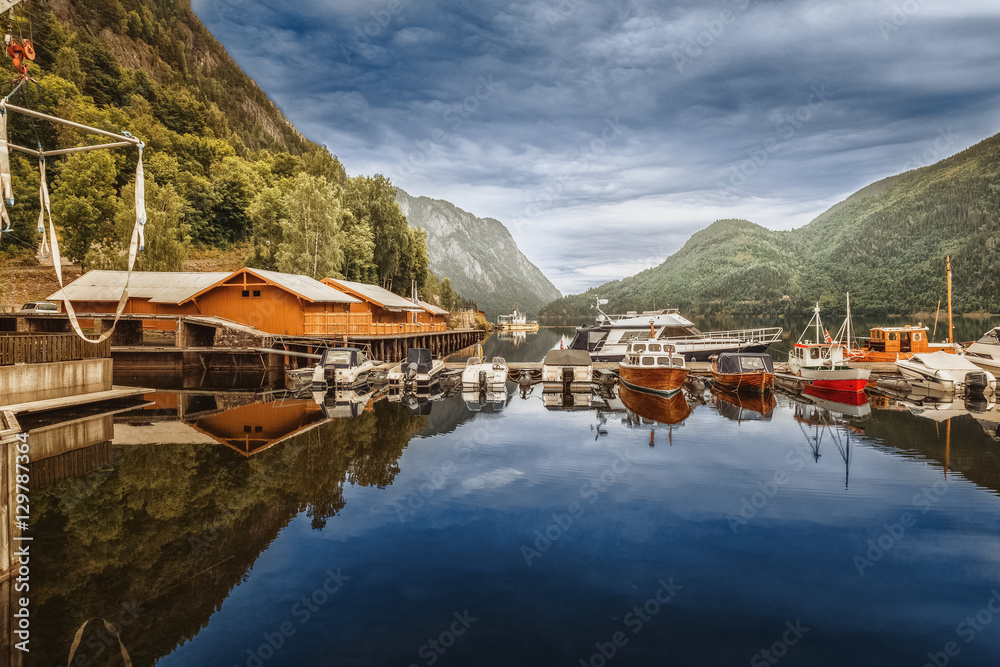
(233,529)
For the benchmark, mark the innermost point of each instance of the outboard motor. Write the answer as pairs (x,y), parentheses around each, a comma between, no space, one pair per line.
(976,383)
(319,378)
(482,380)
(567,377)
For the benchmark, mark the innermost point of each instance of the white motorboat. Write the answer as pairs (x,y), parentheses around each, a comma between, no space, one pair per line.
(949,373)
(419,372)
(985,352)
(608,340)
(482,375)
(568,371)
(341,367)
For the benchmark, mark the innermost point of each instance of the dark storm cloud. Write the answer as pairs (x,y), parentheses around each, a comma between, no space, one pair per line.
(580,123)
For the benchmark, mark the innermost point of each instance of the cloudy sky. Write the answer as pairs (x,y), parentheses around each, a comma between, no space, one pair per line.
(603,134)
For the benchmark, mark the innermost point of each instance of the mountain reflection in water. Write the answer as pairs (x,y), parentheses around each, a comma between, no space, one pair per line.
(202,519)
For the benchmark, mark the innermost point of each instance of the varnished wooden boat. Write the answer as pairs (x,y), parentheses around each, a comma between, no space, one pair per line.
(743,406)
(669,410)
(743,372)
(652,367)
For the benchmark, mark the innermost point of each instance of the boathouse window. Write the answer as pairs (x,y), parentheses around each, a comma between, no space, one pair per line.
(246,292)
(256,292)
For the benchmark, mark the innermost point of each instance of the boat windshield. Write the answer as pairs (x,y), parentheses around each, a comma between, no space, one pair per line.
(474,361)
(990,338)
(338,357)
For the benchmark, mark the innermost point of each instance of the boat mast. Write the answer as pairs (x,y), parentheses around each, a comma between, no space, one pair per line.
(818,325)
(951,327)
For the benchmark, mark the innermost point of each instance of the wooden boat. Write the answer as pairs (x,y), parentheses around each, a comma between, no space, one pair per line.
(740,406)
(669,410)
(751,372)
(823,363)
(652,367)
(886,344)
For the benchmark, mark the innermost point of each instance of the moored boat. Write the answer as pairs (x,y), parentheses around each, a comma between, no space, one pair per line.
(985,352)
(751,372)
(822,362)
(516,321)
(609,338)
(419,372)
(949,373)
(886,344)
(482,375)
(652,367)
(341,366)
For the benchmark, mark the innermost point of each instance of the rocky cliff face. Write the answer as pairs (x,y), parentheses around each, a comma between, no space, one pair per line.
(479,256)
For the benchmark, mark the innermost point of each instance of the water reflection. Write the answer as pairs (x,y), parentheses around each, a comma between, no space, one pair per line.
(743,407)
(198,535)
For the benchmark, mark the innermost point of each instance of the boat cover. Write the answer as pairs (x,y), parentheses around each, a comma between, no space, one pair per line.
(421,356)
(567,358)
(943,361)
(744,362)
(342,357)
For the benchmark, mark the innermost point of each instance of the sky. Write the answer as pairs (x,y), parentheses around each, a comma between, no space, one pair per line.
(604,134)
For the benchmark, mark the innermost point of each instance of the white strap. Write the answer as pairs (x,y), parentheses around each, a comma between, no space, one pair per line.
(6,191)
(112,630)
(137,243)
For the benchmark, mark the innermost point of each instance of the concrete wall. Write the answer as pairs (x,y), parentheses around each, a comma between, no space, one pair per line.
(37,382)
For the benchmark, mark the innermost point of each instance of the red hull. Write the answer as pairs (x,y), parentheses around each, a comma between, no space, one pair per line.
(855,385)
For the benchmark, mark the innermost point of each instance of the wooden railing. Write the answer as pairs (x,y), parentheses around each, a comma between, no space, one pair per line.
(41,348)
(360,324)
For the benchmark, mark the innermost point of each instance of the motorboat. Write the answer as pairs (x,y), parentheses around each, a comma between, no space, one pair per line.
(341,367)
(652,367)
(822,361)
(608,339)
(418,372)
(568,371)
(345,403)
(985,352)
(749,372)
(482,375)
(948,373)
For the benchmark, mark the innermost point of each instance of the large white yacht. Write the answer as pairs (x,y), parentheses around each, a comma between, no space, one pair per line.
(608,339)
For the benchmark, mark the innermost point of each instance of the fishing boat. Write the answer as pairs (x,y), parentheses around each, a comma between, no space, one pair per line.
(886,344)
(608,339)
(652,367)
(985,352)
(516,321)
(751,372)
(948,373)
(419,372)
(482,375)
(672,409)
(822,361)
(341,367)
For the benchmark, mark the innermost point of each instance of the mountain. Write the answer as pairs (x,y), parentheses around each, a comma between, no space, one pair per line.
(885,244)
(479,255)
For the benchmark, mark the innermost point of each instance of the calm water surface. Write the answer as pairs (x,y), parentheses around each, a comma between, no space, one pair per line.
(523,536)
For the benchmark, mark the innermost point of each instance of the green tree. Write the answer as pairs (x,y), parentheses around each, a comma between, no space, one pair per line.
(84,201)
(311,239)
(268,218)
(448,296)
(372,200)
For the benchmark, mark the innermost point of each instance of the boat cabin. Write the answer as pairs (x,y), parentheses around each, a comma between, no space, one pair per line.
(817,355)
(654,354)
(899,339)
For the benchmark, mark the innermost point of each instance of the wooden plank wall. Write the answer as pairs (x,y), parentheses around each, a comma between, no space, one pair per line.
(47,348)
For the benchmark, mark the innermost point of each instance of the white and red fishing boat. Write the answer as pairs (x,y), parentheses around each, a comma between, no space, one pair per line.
(822,361)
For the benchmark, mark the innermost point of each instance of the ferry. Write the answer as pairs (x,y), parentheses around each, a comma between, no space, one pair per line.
(516,321)
(608,339)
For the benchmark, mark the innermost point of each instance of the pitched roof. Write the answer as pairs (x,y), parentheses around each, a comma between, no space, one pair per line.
(157,286)
(178,287)
(374,294)
(432,309)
